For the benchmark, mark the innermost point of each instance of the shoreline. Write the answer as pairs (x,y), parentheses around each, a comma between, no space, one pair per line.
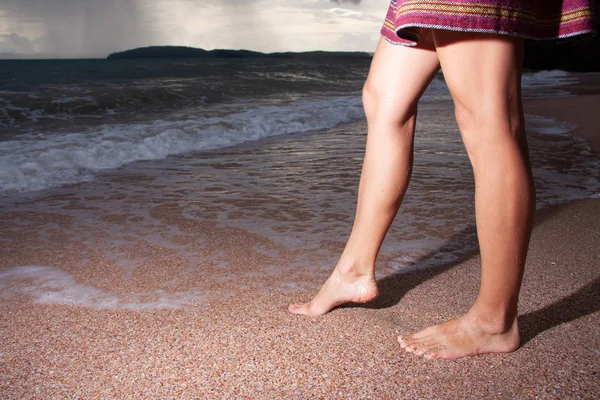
(577,109)
(248,346)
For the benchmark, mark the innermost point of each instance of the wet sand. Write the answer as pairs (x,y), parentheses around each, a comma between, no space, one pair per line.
(248,346)
(581,110)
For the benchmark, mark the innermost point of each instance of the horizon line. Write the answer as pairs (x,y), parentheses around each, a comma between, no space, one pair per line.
(7,56)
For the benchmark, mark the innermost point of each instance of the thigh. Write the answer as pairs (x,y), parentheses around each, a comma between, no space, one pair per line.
(399,75)
(482,71)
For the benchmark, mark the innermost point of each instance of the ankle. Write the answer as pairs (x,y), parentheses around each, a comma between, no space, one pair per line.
(493,320)
(350,266)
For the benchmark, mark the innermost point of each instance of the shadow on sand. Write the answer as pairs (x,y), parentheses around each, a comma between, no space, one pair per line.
(583,302)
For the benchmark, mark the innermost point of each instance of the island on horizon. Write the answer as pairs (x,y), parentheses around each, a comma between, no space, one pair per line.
(170,52)
(581,56)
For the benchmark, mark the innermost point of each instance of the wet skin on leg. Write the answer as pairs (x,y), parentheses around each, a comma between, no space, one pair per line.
(397,79)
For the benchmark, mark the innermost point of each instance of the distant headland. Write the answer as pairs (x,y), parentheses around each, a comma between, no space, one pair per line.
(583,55)
(170,52)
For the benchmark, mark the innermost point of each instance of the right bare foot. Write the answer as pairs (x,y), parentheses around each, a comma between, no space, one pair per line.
(339,288)
(465,336)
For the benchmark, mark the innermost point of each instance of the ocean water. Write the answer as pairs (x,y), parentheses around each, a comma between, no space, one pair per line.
(132,153)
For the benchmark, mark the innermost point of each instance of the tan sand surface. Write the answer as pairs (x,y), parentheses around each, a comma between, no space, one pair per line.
(248,346)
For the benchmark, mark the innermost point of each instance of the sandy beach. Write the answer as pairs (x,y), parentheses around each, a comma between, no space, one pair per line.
(247,346)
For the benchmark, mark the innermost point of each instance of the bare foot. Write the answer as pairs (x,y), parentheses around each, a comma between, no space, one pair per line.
(339,288)
(461,337)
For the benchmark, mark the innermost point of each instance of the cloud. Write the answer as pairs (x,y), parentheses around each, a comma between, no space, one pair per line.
(342,12)
(95,28)
(78,27)
(14,43)
(351,41)
(356,2)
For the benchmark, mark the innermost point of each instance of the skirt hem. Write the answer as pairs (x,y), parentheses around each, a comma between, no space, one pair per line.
(396,38)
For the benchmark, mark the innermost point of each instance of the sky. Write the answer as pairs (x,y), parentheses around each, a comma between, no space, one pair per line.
(96,28)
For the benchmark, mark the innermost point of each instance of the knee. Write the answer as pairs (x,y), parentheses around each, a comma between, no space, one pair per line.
(370,99)
(383,105)
(467,123)
(484,125)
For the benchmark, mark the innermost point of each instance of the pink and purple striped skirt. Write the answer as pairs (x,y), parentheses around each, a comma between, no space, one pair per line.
(532,19)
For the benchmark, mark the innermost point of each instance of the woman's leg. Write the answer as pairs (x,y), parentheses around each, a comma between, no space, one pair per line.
(483,73)
(396,81)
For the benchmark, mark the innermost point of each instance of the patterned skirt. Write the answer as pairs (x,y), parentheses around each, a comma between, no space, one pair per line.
(532,19)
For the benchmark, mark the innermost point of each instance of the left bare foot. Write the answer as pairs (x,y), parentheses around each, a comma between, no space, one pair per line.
(340,288)
(462,337)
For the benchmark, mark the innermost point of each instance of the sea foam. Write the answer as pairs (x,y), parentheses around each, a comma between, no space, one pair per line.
(51,285)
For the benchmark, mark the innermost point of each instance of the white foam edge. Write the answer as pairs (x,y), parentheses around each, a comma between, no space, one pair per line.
(51,285)
(548,125)
(28,164)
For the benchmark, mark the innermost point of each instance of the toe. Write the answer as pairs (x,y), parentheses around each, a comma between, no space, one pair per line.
(407,344)
(411,341)
(402,341)
(436,351)
(425,332)
(413,348)
(419,352)
(298,308)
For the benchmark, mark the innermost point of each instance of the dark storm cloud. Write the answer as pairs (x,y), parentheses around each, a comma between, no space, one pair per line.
(83,27)
(96,28)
